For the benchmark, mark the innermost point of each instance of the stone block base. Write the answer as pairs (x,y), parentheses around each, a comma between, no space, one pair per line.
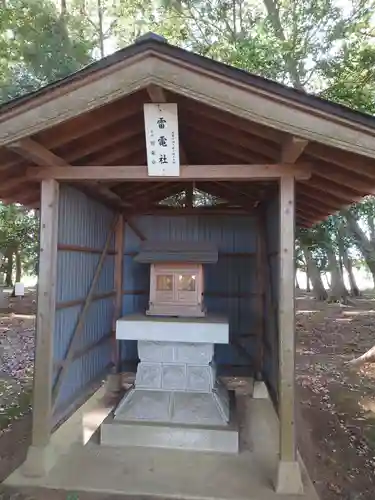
(175,407)
(115,433)
(289,479)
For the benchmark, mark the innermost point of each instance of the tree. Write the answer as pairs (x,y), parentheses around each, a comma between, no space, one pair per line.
(19,241)
(308,241)
(38,45)
(357,218)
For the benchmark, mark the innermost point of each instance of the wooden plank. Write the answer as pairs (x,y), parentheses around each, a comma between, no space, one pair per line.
(188,172)
(118,280)
(230,135)
(261,263)
(287,322)
(78,248)
(292,149)
(135,229)
(156,93)
(32,150)
(348,161)
(81,319)
(78,302)
(43,374)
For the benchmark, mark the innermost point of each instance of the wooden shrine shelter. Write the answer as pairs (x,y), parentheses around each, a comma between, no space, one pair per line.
(256,158)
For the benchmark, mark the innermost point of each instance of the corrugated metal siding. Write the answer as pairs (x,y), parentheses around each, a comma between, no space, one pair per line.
(82,222)
(271,351)
(231,275)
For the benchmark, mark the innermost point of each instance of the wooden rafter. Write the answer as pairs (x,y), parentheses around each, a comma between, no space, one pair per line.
(103,139)
(121,150)
(345,160)
(232,121)
(229,134)
(36,152)
(188,172)
(325,171)
(86,124)
(314,195)
(222,145)
(331,189)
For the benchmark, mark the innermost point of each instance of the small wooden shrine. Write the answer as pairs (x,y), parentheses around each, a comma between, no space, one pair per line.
(176,276)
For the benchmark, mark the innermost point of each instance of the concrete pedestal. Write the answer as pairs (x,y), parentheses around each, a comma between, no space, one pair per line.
(175,386)
(175,383)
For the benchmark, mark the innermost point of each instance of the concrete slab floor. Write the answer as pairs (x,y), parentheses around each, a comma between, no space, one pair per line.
(145,472)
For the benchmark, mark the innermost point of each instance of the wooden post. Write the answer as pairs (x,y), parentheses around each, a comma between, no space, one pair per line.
(119,266)
(261,264)
(289,474)
(37,461)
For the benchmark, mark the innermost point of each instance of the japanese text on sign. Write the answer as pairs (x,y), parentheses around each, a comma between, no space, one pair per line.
(162,144)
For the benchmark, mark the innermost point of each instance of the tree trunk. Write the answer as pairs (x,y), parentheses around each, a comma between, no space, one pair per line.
(315,277)
(290,63)
(100,28)
(338,291)
(63,7)
(18,267)
(9,267)
(346,261)
(308,287)
(297,284)
(366,246)
(367,357)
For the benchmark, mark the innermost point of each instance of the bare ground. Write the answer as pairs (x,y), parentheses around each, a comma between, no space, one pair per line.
(336,417)
(337,405)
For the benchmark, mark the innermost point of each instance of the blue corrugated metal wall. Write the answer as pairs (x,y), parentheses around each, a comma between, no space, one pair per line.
(271,347)
(83,222)
(234,274)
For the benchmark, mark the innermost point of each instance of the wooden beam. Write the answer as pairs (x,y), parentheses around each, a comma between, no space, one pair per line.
(43,374)
(231,120)
(81,319)
(230,135)
(32,150)
(118,280)
(292,149)
(223,146)
(332,189)
(135,229)
(343,159)
(156,93)
(188,172)
(351,181)
(260,271)
(286,404)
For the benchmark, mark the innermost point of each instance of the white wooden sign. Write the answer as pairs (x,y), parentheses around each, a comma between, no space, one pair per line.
(162,144)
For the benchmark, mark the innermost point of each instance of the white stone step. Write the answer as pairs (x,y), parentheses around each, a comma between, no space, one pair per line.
(198,438)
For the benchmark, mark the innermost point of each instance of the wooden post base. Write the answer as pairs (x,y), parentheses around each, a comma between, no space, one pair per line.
(289,478)
(39,461)
(113,383)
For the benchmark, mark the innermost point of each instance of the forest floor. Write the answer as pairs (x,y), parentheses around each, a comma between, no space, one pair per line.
(336,404)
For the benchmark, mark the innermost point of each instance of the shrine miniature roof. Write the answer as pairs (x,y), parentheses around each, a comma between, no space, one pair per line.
(177,252)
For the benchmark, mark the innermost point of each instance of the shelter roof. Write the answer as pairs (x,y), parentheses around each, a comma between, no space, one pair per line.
(226,116)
